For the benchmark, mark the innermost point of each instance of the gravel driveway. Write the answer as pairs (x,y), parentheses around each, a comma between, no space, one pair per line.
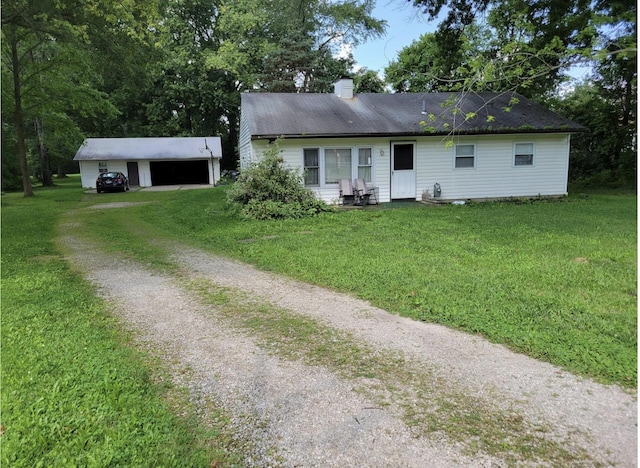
(289,412)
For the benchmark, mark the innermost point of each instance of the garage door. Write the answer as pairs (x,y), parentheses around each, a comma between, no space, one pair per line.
(179,172)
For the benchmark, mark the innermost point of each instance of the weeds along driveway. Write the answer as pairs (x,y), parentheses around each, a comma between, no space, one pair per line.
(311,377)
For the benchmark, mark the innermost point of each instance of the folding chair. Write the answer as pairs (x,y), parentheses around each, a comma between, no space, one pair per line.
(347,196)
(363,194)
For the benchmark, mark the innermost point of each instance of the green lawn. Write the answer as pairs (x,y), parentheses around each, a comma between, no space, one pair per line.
(555,280)
(74,393)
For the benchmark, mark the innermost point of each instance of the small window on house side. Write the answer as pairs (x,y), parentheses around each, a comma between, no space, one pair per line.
(523,154)
(102,167)
(465,156)
(337,165)
(312,166)
(365,161)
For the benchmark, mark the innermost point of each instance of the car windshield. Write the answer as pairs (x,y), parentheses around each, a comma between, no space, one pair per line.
(109,175)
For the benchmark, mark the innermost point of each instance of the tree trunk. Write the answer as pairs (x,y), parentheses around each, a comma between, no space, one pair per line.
(22,147)
(45,168)
(623,119)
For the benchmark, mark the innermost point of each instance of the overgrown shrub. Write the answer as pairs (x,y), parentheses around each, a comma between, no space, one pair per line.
(270,190)
(605,180)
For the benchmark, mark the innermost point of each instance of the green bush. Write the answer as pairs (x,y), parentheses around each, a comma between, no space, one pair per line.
(270,190)
(605,180)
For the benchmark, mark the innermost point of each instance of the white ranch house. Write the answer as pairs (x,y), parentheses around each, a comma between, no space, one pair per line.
(152,161)
(494,146)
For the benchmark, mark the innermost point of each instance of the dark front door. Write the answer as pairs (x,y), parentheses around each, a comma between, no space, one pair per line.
(132,173)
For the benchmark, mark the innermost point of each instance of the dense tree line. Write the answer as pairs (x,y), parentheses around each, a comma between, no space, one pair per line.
(76,68)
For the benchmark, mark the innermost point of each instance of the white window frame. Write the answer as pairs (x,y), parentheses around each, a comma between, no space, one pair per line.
(304,167)
(355,162)
(370,165)
(515,153)
(323,162)
(474,156)
(103,167)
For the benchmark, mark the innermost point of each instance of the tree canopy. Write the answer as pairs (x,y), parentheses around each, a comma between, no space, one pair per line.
(515,45)
(51,52)
(72,68)
(77,68)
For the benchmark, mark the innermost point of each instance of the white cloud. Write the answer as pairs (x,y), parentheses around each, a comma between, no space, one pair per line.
(345,51)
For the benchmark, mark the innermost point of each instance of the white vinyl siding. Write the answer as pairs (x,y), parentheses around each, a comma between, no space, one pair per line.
(245,148)
(293,152)
(89,171)
(494,175)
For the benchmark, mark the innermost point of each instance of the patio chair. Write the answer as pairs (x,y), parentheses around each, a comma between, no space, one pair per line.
(363,193)
(347,196)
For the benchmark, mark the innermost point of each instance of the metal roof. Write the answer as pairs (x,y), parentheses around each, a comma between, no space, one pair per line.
(94,149)
(271,115)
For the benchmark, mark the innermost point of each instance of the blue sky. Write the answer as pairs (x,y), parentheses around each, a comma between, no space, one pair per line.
(405,24)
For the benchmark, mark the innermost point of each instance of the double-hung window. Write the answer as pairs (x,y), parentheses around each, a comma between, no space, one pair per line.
(312,166)
(465,156)
(326,166)
(365,162)
(102,167)
(523,154)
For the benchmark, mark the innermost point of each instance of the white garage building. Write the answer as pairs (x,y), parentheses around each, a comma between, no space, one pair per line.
(152,161)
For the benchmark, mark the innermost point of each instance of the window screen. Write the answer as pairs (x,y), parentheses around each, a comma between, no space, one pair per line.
(403,157)
(312,166)
(465,156)
(364,164)
(524,154)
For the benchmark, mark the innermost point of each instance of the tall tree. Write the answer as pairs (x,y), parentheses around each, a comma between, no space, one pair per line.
(423,66)
(47,61)
(617,72)
(367,81)
(538,41)
(291,46)
(607,104)
(534,42)
(14,55)
(185,95)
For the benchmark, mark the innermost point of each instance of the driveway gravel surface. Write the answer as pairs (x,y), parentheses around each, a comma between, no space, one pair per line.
(286,413)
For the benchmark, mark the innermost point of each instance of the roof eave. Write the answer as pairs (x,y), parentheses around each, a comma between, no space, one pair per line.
(506,131)
(142,158)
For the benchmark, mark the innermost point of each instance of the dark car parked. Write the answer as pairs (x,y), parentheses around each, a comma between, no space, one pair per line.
(108,181)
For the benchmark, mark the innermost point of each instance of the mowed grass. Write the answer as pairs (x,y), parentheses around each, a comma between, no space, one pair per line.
(74,392)
(556,280)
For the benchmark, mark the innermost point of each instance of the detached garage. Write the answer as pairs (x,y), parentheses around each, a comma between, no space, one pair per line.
(152,161)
